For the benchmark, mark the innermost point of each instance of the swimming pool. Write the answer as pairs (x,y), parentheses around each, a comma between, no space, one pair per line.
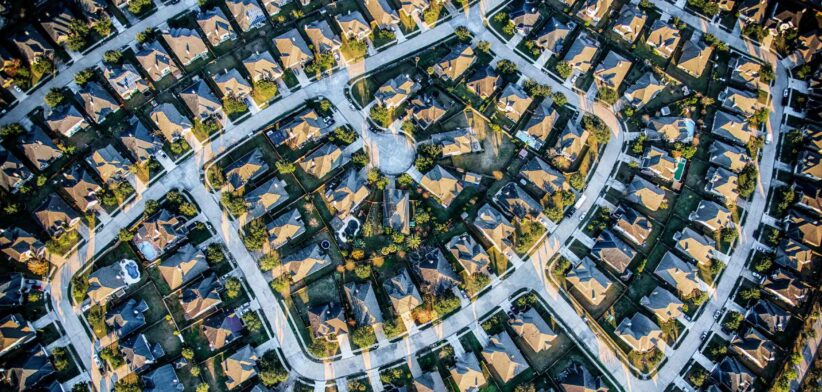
(680,169)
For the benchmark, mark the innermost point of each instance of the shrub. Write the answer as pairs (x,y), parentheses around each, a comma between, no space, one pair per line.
(234,106)
(364,336)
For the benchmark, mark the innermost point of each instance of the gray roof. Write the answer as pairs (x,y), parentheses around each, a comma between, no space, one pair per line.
(265,197)
(183,266)
(127,318)
(38,148)
(514,201)
(81,187)
(613,251)
(162,379)
(436,273)
(243,170)
(364,303)
(201,101)
(397,210)
(12,171)
(139,141)
(734,376)
(402,292)
(469,253)
(543,176)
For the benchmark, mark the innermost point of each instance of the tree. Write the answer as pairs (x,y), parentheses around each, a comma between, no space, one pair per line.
(252,321)
(536,90)
(195,371)
(364,336)
(344,135)
(413,242)
(80,387)
(79,287)
(506,67)
(127,386)
(234,203)
(138,6)
(576,180)
(525,388)
(376,179)
(256,235)
(202,387)
(476,282)
(264,90)
(698,378)
(763,264)
(484,47)
(733,320)
(233,287)
(281,283)
(145,35)
(11,130)
(103,26)
(187,353)
(559,99)
(234,106)
(718,351)
(38,266)
(728,234)
(362,271)
(285,167)
(187,209)
(360,158)
(60,358)
(749,294)
(54,97)
(382,115)
(563,69)
(271,377)
(270,261)
(597,128)
(747,179)
(608,95)
(84,76)
(214,254)
(462,34)
(113,56)
(42,66)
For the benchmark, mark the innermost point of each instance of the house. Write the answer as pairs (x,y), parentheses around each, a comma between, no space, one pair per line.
(13,174)
(170,122)
(20,246)
(262,66)
(429,382)
(640,333)
(353,25)
(323,160)
(768,317)
(397,210)
(786,287)
(246,13)
(273,7)
(611,71)
(722,184)
(200,298)
(483,82)
(111,280)
(646,88)
(645,193)
(589,282)
(441,184)
(402,292)
(28,371)
(163,378)
(156,62)
(285,228)
(630,22)
(455,63)
(663,304)
(539,126)
(808,196)
(127,318)
(305,261)
(552,36)
(327,321)
(524,18)
(141,144)
(670,129)
(533,330)
(55,216)
(503,357)
(32,45)
(215,25)
(396,91)
(495,227)
(15,331)
(755,347)
(543,176)
(363,303)
(138,353)
(81,188)
(426,111)
(593,11)
(352,190)
(58,25)
(183,266)
(733,376)
(305,127)
(383,15)
(158,234)
(794,255)
(93,9)
(513,102)
(663,38)
(202,102)
(694,57)
(711,215)
(125,80)
(412,7)
(239,367)
(265,198)
(658,163)
(804,229)
(245,169)
(633,225)
(66,120)
(571,142)
(697,247)
(745,103)
(322,38)
(38,148)
(613,252)
(294,52)
(809,165)
(467,373)
(680,275)
(221,330)
(515,202)
(97,102)
(728,156)
(186,45)
(457,142)
(577,378)
(470,254)
(748,72)
(109,164)
(732,128)
(435,273)
(231,84)
(581,54)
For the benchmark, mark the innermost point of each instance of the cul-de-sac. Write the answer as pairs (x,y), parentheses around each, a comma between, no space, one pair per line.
(411,195)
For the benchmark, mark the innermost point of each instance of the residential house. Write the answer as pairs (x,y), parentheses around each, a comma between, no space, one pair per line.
(633,225)
(589,282)
(455,63)
(384,16)
(244,170)
(58,24)
(728,156)
(658,163)
(571,142)
(552,36)
(768,317)
(15,331)
(222,329)
(327,321)
(577,378)
(322,37)
(533,330)
(640,333)
(186,45)
(265,198)
(28,371)
(663,38)
(755,348)
(503,357)
(20,246)
(305,261)
(216,26)
(109,164)
(670,129)
(593,11)
(396,90)
(66,120)
(645,193)
(543,176)
(38,148)
(81,188)
(156,62)
(125,80)
(323,160)
(697,247)
(663,304)
(582,52)
(712,216)
(733,376)
(13,174)
(402,293)
(680,275)
(110,281)
(294,52)
(158,234)
(646,88)
(515,202)
(748,72)
(138,353)
(306,127)
(441,184)
(161,379)
(273,7)
(347,196)
(200,298)
(483,82)
(285,228)
(786,287)
(435,273)
(513,102)
(429,382)
(397,210)
(745,103)
(246,13)
(183,266)
(630,22)
(808,196)
(93,9)
(809,165)
(262,66)
(695,57)
(239,367)
(426,111)
(202,102)
(536,131)
(732,128)
(55,216)
(794,255)
(497,229)
(363,303)
(470,254)
(722,184)
(613,252)
(127,318)
(231,84)
(170,122)
(524,18)
(611,71)
(457,142)
(353,25)
(32,45)
(140,143)
(467,373)
(414,7)
(97,102)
